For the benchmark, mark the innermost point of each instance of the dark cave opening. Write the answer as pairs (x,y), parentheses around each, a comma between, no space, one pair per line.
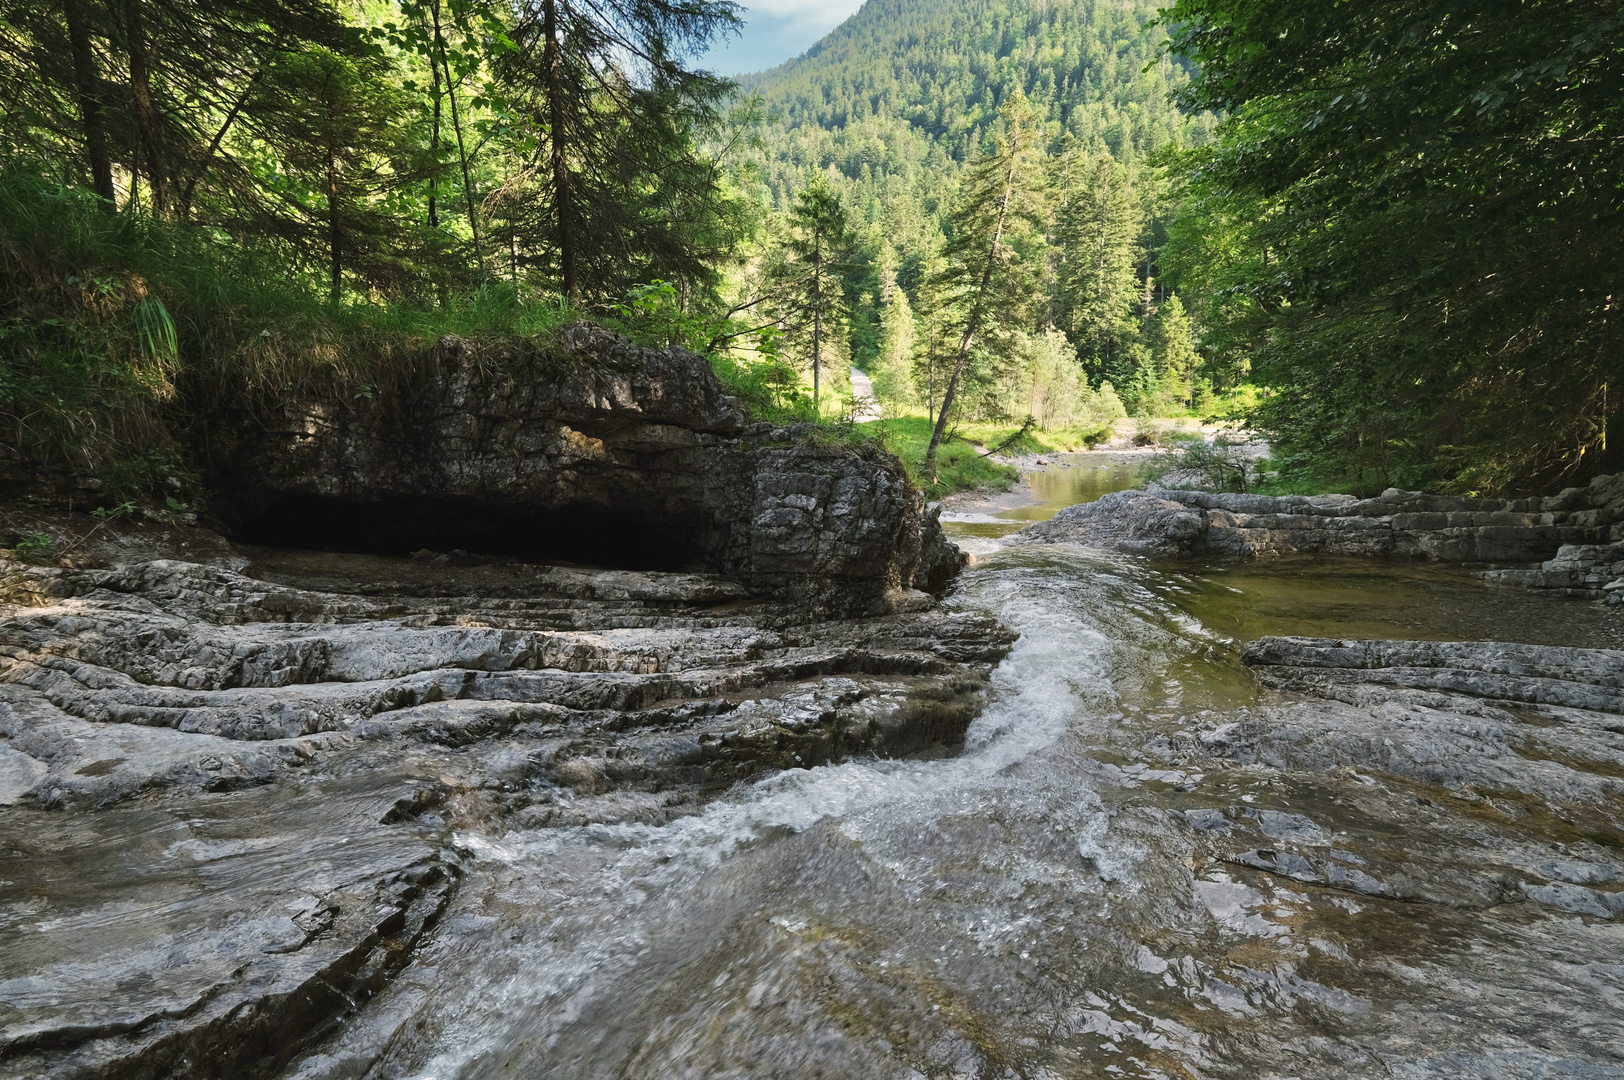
(586,535)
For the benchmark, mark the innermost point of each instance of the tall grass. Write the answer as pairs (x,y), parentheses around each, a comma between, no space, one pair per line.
(117,331)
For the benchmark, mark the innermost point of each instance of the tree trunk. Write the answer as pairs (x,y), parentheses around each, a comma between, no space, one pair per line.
(434,134)
(972,323)
(563,198)
(817,318)
(332,225)
(85,78)
(1150,296)
(930,365)
(462,153)
(149,125)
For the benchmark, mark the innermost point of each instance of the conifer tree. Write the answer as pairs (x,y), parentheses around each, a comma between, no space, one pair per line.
(1173,347)
(1098,230)
(893,376)
(990,284)
(146,89)
(619,179)
(819,261)
(931,318)
(335,124)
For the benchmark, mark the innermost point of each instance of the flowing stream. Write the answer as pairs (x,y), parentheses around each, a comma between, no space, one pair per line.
(1036,906)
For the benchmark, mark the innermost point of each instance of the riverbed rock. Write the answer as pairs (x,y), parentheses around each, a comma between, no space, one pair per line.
(584,447)
(1470,775)
(1587,571)
(229,792)
(1174,523)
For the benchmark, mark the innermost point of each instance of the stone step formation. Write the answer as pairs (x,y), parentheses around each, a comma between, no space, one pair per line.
(280,770)
(1577,530)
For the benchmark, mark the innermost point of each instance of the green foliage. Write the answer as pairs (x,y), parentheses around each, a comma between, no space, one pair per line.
(371,146)
(1098,233)
(892,370)
(812,277)
(959,466)
(123,329)
(1410,230)
(33,548)
(615,190)
(1044,381)
(1219,465)
(989,282)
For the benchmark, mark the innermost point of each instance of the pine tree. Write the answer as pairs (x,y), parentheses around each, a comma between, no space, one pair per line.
(990,284)
(619,179)
(1099,229)
(819,260)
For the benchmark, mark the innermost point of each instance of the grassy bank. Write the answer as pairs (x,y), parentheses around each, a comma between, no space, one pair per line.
(960,464)
(117,329)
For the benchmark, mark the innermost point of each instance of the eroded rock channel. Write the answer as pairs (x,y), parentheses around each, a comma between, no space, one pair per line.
(774,806)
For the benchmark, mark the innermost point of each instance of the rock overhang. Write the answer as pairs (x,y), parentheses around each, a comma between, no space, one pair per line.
(583,448)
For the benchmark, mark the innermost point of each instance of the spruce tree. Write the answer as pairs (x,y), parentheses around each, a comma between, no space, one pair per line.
(336,125)
(1173,346)
(1098,230)
(146,89)
(990,284)
(617,178)
(819,260)
(1430,225)
(893,375)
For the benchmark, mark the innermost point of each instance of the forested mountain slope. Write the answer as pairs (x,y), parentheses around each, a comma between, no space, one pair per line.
(890,107)
(943,67)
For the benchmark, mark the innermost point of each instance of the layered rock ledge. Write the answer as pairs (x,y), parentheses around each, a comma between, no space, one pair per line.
(1170,523)
(1471,775)
(265,765)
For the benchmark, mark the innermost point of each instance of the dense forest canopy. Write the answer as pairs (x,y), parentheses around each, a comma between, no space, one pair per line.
(1410,230)
(1387,235)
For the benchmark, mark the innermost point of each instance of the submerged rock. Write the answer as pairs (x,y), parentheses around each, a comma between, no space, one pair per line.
(229,792)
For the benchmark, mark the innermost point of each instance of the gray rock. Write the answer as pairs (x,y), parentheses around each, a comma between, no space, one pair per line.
(1171,523)
(227,803)
(1588,571)
(1135,522)
(581,447)
(1590,679)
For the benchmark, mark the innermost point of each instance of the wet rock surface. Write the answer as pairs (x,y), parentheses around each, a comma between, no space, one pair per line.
(1586,571)
(1171,523)
(1145,864)
(230,791)
(283,813)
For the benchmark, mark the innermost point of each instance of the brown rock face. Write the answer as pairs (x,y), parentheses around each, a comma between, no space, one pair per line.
(589,449)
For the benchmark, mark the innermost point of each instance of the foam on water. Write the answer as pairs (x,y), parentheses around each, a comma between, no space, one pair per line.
(1083,623)
(1033,901)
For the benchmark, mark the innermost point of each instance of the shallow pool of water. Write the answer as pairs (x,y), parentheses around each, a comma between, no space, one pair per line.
(1317,596)
(1352,597)
(1057,487)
